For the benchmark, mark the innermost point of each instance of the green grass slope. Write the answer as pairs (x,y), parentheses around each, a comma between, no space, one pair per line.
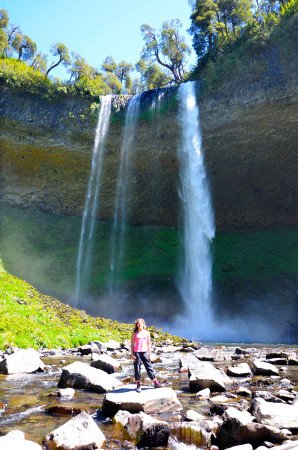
(31,319)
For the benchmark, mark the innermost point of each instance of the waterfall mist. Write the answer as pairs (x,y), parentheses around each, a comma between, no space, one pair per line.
(198,222)
(84,258)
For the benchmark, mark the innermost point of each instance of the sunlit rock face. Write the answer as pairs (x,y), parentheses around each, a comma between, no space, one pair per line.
(248,138)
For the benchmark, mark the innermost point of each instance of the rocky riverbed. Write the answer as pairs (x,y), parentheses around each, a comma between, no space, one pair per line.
(214,397)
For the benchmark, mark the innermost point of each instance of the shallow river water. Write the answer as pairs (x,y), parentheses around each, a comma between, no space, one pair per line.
(25,398)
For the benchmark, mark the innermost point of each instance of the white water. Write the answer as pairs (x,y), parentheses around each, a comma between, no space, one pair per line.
(120,212)
(84,258)
(198,227)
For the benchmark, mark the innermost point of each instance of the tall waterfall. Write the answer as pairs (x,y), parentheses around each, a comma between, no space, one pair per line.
(199,229)
(120,212)
(84,257)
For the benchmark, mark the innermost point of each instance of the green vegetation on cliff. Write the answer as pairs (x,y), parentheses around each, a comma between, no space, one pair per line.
(264,42)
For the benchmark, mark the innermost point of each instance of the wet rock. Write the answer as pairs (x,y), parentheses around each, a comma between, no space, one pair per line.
(68,393)
(262,368)
(155,359)
(78,433)
(268,396)
(205,375)
(21,361)
(88,349)
(277,355)
(112,345)
(276,415)
(107,364)
(193,416)
(278,361)
(143,429)
(58,410)
(243,417)
(203,394)
(81,376)
(211,355)
(191,433)
(233,432)
(240,370)
(188,361)
(242,351)
(150,401)
(168,349)
(244,392)
(102,346)
(15,440)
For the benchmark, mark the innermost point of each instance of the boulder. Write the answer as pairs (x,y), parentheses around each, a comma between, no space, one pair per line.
(262,368)
(205,375)
(277,415)
(188,361)
(107,364)
(193,416)
(239,370)
(66,393)
(21,361)
(192,433)
(244,392)
(233,432)
(82,376)
(277,355)
(268,396)
(150,401)
(15,440)
(203,394)
(285,395)
(80,432)
(143,429)
(206,354)
(112,345)
(243,417)
(88,349)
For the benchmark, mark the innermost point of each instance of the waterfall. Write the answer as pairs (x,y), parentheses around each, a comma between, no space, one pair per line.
(84,257)
(198,223)
(120,212)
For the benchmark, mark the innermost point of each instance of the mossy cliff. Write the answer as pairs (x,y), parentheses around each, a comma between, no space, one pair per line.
(249,136)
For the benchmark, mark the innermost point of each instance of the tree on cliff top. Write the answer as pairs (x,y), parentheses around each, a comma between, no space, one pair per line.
(59,49)
(24,46)
(168,48)
(152,76)
(117,75)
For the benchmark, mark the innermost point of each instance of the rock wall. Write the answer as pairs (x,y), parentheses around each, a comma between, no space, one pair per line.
(249,134)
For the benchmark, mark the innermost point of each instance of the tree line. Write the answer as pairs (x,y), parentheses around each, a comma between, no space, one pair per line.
(217,26)
(162,61)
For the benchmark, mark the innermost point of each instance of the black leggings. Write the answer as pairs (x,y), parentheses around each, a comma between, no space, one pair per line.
(143,357)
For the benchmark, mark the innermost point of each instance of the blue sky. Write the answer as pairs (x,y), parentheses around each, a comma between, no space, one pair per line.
(95,28)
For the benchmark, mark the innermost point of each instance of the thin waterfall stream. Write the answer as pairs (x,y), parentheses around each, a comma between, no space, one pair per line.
(120,212)
(198,220)
(84,257)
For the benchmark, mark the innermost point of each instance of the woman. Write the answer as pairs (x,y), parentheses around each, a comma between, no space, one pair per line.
(141,351)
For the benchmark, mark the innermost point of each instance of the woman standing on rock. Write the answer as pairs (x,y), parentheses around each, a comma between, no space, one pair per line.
(141,351)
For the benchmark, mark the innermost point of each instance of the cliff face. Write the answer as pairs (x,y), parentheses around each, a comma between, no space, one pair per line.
(249,134)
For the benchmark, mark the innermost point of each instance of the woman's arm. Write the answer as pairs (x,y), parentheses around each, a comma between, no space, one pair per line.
(132,341)
(148,343)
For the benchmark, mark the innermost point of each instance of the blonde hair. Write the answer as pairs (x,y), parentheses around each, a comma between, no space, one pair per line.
(136,324)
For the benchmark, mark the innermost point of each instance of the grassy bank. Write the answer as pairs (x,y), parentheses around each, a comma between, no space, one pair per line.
(30,319)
